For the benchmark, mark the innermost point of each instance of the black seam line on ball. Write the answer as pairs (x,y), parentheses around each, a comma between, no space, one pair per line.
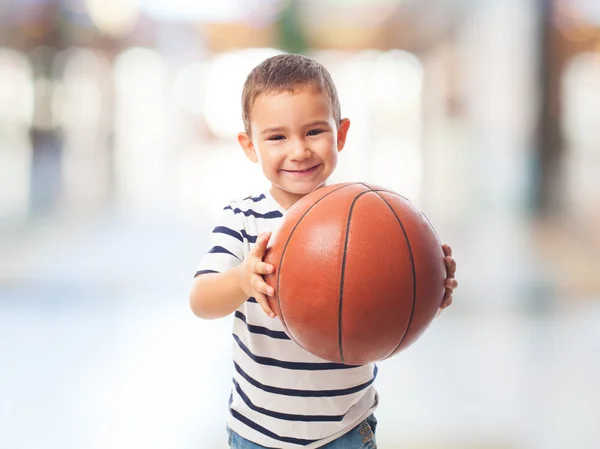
(402,196)
(385,191)
(344,271)
(281,317)
(414,272)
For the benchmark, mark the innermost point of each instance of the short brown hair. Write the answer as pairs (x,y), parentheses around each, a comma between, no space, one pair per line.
(287,72)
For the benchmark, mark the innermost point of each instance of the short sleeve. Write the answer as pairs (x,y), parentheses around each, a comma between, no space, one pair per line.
(225,244)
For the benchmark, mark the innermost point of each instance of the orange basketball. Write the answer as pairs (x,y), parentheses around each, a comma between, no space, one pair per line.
(359,273)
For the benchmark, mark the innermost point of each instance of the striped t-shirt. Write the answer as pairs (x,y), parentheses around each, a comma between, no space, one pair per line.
(282,396)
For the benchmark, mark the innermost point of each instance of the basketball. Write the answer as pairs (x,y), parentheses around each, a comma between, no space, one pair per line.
(359,273)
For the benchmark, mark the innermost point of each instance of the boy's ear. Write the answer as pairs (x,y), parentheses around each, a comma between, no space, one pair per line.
(246,143)
(342,133)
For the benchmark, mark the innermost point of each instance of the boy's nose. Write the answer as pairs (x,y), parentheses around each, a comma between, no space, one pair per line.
(300,151)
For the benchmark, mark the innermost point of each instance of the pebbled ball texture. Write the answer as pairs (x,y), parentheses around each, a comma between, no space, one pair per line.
(359,273)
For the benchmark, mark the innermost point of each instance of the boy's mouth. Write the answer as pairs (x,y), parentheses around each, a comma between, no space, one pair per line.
(303,171)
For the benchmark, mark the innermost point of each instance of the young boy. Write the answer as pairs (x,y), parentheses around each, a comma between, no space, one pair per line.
(283,396)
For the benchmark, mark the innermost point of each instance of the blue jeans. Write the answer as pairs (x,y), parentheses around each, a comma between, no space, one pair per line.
(361,437)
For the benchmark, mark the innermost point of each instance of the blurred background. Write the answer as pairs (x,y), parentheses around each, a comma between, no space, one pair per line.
(117,149)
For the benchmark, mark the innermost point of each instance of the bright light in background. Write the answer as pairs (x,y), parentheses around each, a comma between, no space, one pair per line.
(208,177)
(16,115)
(234,10)
(581,82)
(82,110)
(581,119)
(205,10)
(213,90)
(142,125)
(84,86)
(188,87)
(350,75)
(397,83)
(380,92)
(224,85)
(16,89)
(114,17)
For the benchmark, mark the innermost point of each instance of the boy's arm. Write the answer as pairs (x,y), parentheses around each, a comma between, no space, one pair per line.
(215,295)
(216,289)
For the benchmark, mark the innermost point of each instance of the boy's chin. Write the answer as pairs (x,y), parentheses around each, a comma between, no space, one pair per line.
(303,190)
(299,190)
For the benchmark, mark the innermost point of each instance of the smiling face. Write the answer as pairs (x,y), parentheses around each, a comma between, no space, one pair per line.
(295,139)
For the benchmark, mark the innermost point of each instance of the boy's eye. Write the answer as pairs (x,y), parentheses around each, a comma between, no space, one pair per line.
(277,137)
(315,132)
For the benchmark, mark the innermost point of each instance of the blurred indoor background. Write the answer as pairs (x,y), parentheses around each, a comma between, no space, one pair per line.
(117,148)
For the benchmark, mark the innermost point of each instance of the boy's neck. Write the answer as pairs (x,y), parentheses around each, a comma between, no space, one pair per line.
(288,199)
(284,199)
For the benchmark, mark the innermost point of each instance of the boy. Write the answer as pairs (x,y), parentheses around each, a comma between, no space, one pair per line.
(283,396)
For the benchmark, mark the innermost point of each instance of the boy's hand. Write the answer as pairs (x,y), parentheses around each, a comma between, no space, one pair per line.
(451,283)
(251,274)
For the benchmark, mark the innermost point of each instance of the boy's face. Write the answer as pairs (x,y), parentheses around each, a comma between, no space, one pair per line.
(295,139)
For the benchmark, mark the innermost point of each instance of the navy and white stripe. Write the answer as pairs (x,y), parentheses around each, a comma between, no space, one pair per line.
(259,329)
(253,213)
(282,396)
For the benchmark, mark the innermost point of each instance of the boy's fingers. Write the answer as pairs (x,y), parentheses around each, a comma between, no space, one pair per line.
(257,244)
(263,268)
(447,250)
(447,299)
(451,283)
(263,239)
(450,265)
(264,304)
(261,244)
(261,286)
(267,289)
